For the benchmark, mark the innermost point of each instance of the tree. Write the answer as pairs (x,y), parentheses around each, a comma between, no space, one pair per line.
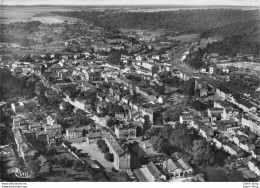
(84,132)
(114,57)
(73,149)
(52,152)
(147,124)
(155,69)
(236,176)
(202,152)
(100,143)
(24,41)
(160,89)
(198,105)
(104,148)
(110,123)
(154,141)
(190,87)
(139,131)
(78,165)
(109,156)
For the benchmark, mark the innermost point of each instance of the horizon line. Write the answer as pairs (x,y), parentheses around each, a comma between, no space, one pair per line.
(133,5)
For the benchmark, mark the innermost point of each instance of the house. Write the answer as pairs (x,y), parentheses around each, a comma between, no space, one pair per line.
(226,125)
(43,137)
(92,138)
(63,73)
(51,120)
(101,96)
(253,165)
(232,149)
(126,131)
(206,131)
(215,113)
(203,91)
(55,130)
(147,111)
(34,126)
(251,123)
(255,154)
(61,87)
(186,117)
(126,99)
(51,93)
(17,107)
(218,141)
(121,156)
(245,105)
(136,116)
(73,132)
(93,76)
(223,92)
(177,169)
(211,69)
(148,173)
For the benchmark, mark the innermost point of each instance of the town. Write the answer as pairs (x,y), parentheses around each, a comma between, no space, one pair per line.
(80,102)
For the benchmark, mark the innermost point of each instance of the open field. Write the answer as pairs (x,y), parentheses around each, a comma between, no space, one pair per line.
(184,38)
(94,153)
(47,19)
(249,65)
(53,19)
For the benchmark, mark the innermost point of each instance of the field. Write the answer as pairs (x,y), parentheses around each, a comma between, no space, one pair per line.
(251,66)
(160,32)
(53,19)
(47,19)
(184,38)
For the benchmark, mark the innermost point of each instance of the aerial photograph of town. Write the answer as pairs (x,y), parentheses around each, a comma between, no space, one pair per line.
(113,91)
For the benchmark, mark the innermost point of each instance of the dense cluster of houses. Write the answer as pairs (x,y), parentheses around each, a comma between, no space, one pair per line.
(82,77)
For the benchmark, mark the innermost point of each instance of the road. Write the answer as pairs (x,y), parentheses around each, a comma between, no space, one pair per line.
(176,58)
(101,122)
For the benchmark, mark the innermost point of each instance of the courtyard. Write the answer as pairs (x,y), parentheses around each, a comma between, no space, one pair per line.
(94,153)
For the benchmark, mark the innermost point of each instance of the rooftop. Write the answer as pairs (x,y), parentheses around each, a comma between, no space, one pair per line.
(113,144)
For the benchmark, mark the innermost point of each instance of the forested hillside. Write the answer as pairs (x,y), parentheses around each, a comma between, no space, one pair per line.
(182,21)
(18,32)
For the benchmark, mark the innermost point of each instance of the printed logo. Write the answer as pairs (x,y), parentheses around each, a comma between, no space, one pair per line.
(24,174)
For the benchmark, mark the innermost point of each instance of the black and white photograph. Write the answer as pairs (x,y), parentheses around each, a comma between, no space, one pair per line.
(163,91)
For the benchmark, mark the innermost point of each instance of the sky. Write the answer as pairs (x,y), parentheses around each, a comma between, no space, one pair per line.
(132,2)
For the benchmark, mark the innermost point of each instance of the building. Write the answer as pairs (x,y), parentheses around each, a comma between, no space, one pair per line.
(92,138)
(148,173)
(177,169)
(186,117)
(51,93)
(251,123)
(232,149)
(125,131)
(121,156)
(55,130)
(218,141)
(74,132)
(17,107)
(93,76)
(253,165)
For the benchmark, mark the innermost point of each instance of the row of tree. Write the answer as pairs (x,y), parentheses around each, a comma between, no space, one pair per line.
(104,149)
